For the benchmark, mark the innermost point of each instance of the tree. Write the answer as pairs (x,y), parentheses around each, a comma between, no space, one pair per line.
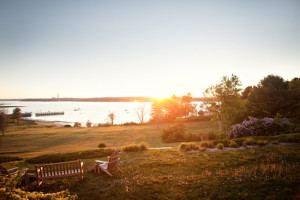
(228,106)
(141,112)
(88,124)
(186,105)
(293,109)
(111,117)
(157,112)
(3,121)
(269,97)
(17,114)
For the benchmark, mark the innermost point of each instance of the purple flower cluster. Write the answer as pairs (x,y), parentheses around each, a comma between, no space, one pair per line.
(259,127)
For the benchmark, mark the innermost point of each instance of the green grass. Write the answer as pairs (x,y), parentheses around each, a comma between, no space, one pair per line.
(30,142)
(267,172)
(261,173)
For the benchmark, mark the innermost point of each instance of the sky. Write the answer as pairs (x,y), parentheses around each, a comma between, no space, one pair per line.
(97,48)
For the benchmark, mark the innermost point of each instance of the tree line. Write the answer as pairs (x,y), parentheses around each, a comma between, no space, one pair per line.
(228,104)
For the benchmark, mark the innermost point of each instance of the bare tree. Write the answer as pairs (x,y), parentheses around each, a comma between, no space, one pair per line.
(141,112)
(3,121)
(111,117)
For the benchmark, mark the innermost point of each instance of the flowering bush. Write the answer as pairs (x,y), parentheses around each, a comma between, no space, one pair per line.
(259,127)
(9,189)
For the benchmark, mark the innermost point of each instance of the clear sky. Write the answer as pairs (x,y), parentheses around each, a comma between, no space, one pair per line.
(94,48)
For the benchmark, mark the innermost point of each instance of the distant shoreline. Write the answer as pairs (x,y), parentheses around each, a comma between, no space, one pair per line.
(103,99)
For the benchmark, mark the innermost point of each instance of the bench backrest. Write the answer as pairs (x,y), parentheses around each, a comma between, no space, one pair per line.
(59,169)
(113,160)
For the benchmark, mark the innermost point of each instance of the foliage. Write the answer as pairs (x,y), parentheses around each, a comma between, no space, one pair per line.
(228,108)
(188,147)
(169,109)
(173,134)
(62,157)
(3,121)
(274,96)
(135,147)
(101,145)
(4,159)
(259,127)
(77,124)
(220,146)
(88,124)
(269,97)
(9,189)
(17,114)
(233,144)
(67,126)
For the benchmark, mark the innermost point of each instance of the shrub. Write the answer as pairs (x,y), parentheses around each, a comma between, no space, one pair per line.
(62,157)
(204,144)
(173,134)
(188,147)
(260,127)
(233,144)
(77,124)
(249,141)
(239,141)
(202,148)
(274,142)
(9,158)
(101,145)
(88,124)
(224,142)
(104,125)
(135,147)
(262,142)
(67,126)
(220,146)
(9,189)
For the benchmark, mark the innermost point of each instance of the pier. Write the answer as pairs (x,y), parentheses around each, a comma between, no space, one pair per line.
(49,114)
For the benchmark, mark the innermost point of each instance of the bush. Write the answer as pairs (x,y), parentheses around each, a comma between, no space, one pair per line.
(224,142)
(188,147)
(62,157)
(202,149)
(260,127)
(9,189)
(233,144)
(173,134)
(104,125)
(220,146)
(204,144)
(239,141)
(4,159)
(101,145)
(88,124)
(77,124)
(274,142)
(135,147)
(249,141)
(262,142)
(67,126)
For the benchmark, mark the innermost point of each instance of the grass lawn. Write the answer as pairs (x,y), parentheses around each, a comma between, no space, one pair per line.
(21,141)
(270,172)
(261,173)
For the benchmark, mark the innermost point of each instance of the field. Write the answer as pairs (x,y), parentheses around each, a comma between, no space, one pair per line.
(22,141)
(269,172)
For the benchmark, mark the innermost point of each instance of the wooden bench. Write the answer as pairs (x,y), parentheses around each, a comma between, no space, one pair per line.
(57,170)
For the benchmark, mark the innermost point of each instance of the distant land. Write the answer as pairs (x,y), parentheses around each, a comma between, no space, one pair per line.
(103,99)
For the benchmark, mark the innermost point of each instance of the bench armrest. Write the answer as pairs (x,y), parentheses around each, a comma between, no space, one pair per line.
(100,161)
